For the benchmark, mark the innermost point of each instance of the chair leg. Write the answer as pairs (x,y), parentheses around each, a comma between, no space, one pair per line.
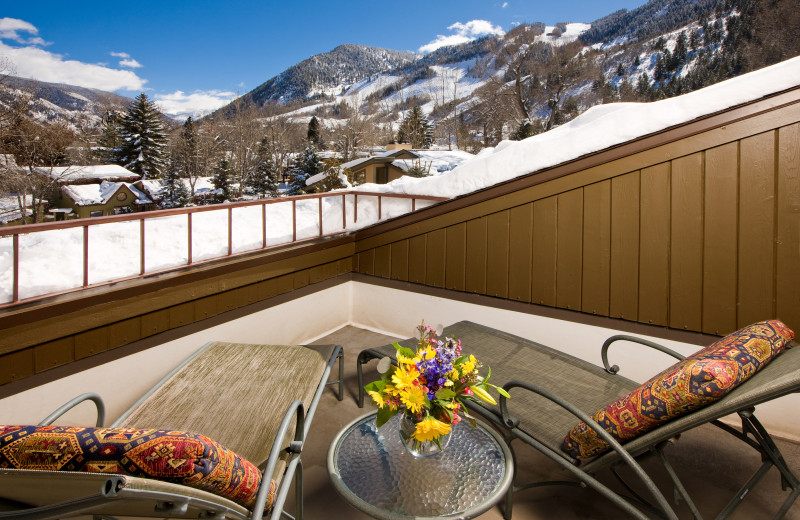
(298,491)
(341,374)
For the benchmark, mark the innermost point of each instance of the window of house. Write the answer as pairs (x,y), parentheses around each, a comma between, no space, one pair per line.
(381,174)
(96,213)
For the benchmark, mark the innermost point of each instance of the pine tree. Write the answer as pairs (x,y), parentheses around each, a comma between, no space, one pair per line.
(306,165)
(263,181)
(524,131)
(416,129)
(142,139)
(109,141)
(223,173)
(314,135)
(174,193)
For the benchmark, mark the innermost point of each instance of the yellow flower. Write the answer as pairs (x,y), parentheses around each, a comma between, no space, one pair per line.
(429,429)
(402,360)
(377,398)
(413,398)
(468,365)
(404,377)
(429,353)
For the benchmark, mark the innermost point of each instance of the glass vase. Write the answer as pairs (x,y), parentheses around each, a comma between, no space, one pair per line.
(408,424)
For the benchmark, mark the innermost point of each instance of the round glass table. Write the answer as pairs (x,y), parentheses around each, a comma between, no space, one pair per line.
(372,470)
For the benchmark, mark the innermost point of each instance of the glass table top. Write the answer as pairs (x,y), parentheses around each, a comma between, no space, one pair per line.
(372,470)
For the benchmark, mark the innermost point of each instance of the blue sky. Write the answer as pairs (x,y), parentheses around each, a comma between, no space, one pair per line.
(197,55)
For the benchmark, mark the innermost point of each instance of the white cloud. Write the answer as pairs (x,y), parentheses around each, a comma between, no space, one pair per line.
(10,29)
(505,4)
(130,63)
(198,103)
(464,32)
(38,64)
(120,54)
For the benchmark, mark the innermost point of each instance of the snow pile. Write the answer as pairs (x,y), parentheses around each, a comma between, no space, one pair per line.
(598,128)
(109,172)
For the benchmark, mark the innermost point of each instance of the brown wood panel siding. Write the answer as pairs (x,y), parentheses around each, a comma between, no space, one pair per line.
(757,229)
(655,244)
(788,248)
(366,262)
(686,238)
(436,250)
(383,261)
(53,354)
(520,263)
(545,241)
(497,242)
(476,256)
(16,366)
(456,260)
(720,222)
(596,248)
(569,263)
(416,259)
(624,302)
(400,260)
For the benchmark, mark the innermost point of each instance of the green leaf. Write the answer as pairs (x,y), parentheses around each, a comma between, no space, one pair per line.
(445,393)
(481,393)
(384,414)
(375,386)
(403,351)
(472,422)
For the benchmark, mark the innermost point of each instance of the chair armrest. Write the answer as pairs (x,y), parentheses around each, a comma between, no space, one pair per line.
(583,416)
(98,401)
(615,368)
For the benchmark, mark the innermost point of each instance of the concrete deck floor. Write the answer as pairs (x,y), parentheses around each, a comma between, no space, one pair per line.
(712,464)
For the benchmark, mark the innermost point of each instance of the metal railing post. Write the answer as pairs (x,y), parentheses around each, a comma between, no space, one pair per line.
(320,215)
(355,208)
(15,289)
(141,247)
(294,220)
(189,232)
(264,225)
(344,211)
(86,255)
(230,231)
(379,207)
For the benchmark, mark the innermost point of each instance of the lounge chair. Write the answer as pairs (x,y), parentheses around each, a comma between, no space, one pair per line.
(551,391)
(257,401)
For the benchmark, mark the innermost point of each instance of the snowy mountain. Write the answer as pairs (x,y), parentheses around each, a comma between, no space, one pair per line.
(77,106)
(329,73)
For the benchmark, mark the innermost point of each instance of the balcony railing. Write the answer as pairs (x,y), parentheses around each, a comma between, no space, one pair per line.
(40,260)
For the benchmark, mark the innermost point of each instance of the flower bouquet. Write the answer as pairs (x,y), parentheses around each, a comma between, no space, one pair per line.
(429,386)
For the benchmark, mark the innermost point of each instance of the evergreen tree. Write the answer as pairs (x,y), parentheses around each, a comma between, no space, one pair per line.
(142,139)
(109,140)
(620,70)
(223,173)
(416,129)
(174,193)
(524,131)
(314,134)
(306,165)
(263,181)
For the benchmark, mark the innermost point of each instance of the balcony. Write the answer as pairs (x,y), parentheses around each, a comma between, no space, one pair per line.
(680,236)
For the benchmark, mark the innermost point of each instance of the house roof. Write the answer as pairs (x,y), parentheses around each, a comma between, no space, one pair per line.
(87,174)
(384,157)
(94,194)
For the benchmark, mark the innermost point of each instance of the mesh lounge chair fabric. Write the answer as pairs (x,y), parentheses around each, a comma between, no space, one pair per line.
(542,422)
(243,396)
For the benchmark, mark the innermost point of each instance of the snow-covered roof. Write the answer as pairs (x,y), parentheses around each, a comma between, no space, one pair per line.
(599,128)
(9,208)
(377,157)
(438,161)
(93,194)
(101,172)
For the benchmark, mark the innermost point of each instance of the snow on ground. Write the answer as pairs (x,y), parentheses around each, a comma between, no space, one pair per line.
(9,208)
(52,260)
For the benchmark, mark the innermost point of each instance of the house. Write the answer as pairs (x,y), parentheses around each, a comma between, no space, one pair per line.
(204,189)
(104,199)
(399,158)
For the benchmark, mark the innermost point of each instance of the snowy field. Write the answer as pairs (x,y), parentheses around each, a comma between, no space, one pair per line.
(52,261)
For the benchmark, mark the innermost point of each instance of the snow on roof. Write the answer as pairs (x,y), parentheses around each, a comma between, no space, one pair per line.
(599,128)
(9,208)
(438,161)
(108,172)
(91,194)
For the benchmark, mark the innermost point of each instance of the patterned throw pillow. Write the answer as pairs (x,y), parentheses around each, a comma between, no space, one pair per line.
(700,379)
(173,456)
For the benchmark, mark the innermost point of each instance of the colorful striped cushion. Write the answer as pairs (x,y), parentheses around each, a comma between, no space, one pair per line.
(173,456)
(700,379)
